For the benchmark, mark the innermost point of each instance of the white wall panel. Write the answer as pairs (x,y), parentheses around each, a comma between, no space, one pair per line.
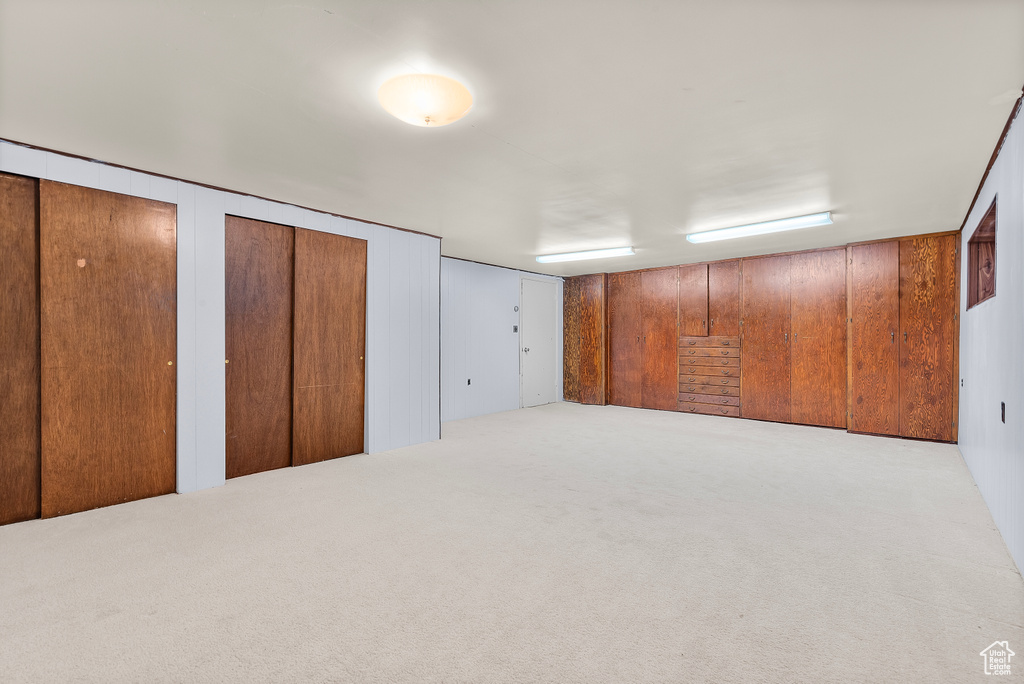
(992,352)
(478,311)
(403,308)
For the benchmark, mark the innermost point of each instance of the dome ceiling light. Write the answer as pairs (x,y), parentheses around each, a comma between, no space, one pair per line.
(425,99)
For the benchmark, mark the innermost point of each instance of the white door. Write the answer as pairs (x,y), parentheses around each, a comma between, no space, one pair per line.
(538,353)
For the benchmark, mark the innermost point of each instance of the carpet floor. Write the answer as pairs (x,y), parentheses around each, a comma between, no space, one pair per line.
(563,543)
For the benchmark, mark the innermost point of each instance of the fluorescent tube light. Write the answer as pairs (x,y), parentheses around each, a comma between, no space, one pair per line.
(794,223)
(592,254)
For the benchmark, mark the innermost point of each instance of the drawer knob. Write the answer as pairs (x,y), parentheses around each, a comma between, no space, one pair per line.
(692,342)
(693,351)
(725,411)
(725,352)
(726,343)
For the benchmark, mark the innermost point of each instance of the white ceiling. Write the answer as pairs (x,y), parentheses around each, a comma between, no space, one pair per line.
(595,124)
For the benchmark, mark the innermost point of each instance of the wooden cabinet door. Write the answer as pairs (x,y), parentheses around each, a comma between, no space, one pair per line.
(927,304)
(108,330)
(329,346)
(571,339)
(624,333)
(660,339)
(19,349)
(874,349)
(818,337)
(693,300)
(765,365)
(724,298)
(258,274)
(592,361)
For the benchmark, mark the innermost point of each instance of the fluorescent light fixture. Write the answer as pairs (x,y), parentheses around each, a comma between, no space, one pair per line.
(592,254)
(795,223)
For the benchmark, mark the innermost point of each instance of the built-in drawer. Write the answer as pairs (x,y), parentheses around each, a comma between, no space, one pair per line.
(708,409)
(710,341)
(691,397)
(686,362)
(709,351)
(716,380)
(716,390)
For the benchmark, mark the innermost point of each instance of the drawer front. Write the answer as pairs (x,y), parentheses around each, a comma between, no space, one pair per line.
(709,409)
(692,398)
(710,341)
(721,352)
(716,380)
(697,361)
(716,390)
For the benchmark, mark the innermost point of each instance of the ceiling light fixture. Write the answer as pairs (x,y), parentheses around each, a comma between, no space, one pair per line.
(794,223)
(425,99)
(592,254)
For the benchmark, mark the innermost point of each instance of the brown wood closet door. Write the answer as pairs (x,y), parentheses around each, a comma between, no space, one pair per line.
(660,339)
(927,304)
(592,341)
(874,349)
(818,338)
(108,327)
(571,339)
(693,300)
(329,346)
(259,259)
(19,342)
(765,367)
(724,298)
(624,331)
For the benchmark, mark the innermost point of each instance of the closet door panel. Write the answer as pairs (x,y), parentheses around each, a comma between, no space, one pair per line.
(329,346)
(927,304)
(571,339)
(818,338)
(592,339)
(660,339)
(108,334)
(693,300)
(874,349)
(19,342)
(765,370)
(624,331)
(724,298)
(259,259)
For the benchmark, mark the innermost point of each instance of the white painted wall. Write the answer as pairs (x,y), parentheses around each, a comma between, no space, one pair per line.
(402,308)
(478,312)
(992,352)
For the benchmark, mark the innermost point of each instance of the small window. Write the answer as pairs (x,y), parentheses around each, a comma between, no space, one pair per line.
(981,260)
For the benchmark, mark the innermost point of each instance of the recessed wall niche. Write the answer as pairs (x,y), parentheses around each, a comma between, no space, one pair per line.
(981,260)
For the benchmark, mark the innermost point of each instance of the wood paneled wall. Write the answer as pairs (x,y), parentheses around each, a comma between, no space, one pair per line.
(571,339)
(862,336)
(108,323)
(19,350)
(584,339)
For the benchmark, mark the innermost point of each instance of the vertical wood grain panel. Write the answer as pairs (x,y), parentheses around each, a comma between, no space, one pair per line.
(660,339)
(693,300)
(19,342)
(571,339)
(724,298)
(259,260)
(108,283)
(818,338)
(624,333)
(874,349)
(330,333)
(592,341)
(927,291)
(765,366)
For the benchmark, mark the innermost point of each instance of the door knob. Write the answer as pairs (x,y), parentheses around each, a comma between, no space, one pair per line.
(526,349)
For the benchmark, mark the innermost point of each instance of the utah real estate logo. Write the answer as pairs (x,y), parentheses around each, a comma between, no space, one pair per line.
(997,658)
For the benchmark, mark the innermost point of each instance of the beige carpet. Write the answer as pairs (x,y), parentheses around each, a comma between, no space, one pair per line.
(558,544)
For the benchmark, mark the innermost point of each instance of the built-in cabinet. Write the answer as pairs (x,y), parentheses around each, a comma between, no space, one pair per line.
(862,336)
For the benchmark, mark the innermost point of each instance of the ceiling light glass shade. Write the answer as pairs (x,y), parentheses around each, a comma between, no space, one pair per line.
(580,256)
(425,99)
(809,221)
